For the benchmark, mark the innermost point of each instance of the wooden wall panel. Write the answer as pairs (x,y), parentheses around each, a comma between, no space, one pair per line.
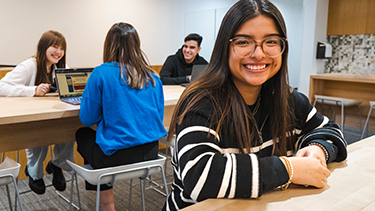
(3,72)
(335,24)
(157,68)
(355,20)
(370,28)
(351,17)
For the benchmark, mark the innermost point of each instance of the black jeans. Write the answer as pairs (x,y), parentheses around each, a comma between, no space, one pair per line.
(93,155)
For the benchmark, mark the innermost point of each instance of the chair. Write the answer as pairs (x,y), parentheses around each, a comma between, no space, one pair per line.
(9,170)
(372,105)
(109,175)
(73,177)
(170,145)
(343,102)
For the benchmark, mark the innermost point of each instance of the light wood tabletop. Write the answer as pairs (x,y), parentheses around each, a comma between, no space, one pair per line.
(172,93)
(350,187)
(27,122)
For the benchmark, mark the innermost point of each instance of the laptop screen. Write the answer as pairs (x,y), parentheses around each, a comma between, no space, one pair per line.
(198,71)
(72,82)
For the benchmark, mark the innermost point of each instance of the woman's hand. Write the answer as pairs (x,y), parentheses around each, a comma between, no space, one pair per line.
(309,171)
(42,89)
(312,151)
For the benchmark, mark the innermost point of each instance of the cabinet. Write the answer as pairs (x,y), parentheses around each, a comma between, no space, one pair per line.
(351,17)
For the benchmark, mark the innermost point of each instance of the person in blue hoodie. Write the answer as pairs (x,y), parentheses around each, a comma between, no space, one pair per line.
(124,98)
(177,68)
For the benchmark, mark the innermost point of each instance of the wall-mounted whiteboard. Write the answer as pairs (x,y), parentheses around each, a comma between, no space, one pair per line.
(205,23)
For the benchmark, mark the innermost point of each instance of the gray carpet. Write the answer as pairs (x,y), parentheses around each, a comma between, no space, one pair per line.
(50,201)
(352,134)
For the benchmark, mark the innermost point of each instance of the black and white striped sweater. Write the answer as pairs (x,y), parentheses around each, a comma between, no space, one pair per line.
(208,165)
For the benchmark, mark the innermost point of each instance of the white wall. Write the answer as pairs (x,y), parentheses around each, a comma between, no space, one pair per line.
(208,23)
(293,16)
(314,30)
(160,24)
(84,23)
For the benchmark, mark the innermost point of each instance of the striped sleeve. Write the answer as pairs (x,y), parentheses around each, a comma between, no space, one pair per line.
(315,127)
(204,170)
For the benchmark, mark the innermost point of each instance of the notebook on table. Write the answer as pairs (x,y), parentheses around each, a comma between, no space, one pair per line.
(71,83)
(196,72)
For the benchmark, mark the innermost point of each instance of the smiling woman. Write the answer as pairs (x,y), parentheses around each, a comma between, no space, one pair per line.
(31,78)
(237,123)
(250,70)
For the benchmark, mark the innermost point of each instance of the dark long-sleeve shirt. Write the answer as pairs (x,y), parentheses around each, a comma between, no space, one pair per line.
(209,165)
(175,69)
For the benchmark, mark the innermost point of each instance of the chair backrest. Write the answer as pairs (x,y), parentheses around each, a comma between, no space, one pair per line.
(170,143)
(129,171)
(8,169)
(336,100)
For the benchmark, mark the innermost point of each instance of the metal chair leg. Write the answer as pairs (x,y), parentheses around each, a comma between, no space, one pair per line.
(71,204)
(342,117)
(142,181)
(9,199)
(17,194)
(130,194)
(74,177)
(366,124)
(165,182)
(79,198)
(71,194)
(360,117)
(97,195)
(70,200)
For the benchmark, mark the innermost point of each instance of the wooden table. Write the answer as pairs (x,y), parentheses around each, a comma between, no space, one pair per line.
(39,121)
(350,187)
(27,122)
(346,86)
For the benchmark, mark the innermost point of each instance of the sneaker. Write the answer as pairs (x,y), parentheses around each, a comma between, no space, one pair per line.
(58,180)
(37,185)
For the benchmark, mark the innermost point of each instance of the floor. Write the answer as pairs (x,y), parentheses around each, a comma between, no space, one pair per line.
(353,127)
(50,201)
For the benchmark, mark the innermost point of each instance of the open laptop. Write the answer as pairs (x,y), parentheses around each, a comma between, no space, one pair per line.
(71,83)
(196,72)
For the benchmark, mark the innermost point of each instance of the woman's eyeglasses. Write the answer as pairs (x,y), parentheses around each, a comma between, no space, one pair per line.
(271,46)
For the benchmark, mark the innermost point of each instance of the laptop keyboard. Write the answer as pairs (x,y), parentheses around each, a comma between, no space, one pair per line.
(75,100)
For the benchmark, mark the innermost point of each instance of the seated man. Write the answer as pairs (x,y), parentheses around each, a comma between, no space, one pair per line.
(177,68)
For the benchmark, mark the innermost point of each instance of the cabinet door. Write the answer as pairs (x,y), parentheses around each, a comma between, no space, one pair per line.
(348,16)
(370,29)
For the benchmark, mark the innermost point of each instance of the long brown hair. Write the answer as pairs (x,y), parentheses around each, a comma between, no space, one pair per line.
(49,38)
(122,45)
(216,83)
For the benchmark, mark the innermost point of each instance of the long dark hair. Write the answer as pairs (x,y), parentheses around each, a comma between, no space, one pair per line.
(49,38)
(123,46)
(216,83)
